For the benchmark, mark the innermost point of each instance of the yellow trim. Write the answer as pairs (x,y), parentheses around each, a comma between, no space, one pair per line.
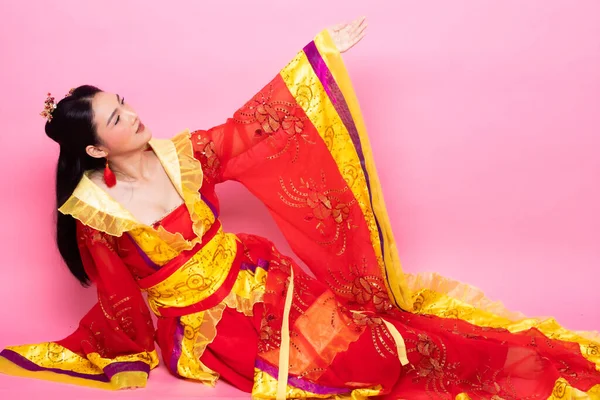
(397,282)
(248,289)
(199,330)
(190,177)
(166,152)
(436,295)
(52,355)
(9,368)
(399,340)
(197,278)
(150,358)
(95,208)
(561,391)
(265,387)
(129,380)
(284,347)
(309,93)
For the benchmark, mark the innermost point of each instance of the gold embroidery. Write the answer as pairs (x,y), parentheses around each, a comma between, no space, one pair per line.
(274,116)
(211,163)
(199,330)
(265,387)
(96,209)
(432,366)
(248,289)
(199,277)
(360,288)
(382,340)
(325,206)
(437,295)
(53,355)
(310,94)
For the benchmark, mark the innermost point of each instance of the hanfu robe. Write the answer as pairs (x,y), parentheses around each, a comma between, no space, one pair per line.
(232,307)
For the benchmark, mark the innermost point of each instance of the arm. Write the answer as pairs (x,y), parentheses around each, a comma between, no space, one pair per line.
(301,147)
(267,115)
(113,346)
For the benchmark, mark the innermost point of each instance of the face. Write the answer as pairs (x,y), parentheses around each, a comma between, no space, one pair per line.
(118,126)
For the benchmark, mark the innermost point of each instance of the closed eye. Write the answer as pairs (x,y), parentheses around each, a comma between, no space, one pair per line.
(118,116)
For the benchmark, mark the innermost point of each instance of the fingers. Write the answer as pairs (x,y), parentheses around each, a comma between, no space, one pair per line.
(346,35)
(357,24)
(349,27)
(358,32)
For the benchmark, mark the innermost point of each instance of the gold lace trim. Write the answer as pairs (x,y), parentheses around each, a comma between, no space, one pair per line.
(434,294)
(97,209)
(190,181)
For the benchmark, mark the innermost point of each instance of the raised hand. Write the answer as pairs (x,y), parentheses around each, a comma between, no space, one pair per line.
(346,35)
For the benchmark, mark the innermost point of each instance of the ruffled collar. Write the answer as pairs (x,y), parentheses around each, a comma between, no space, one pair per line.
(95,208)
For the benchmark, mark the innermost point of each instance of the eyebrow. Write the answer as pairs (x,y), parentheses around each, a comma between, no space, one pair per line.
(114,112)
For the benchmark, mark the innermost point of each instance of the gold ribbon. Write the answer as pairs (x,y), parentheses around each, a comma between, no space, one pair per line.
(284,347)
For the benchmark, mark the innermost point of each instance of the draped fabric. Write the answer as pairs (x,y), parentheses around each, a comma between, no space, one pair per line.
(232,307)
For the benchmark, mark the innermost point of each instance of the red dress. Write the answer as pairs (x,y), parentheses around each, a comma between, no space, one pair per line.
(232,306)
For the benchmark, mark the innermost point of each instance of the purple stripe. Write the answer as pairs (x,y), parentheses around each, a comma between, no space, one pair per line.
(144,256)
(340,105)
(210,205)
(177,339)
(264,264)
(300,383)
(24,363)
(247,266)
(124,366)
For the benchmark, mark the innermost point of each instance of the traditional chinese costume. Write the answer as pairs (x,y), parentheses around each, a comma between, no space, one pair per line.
(231,306)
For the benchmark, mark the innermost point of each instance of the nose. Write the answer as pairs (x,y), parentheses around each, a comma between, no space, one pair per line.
(132,116)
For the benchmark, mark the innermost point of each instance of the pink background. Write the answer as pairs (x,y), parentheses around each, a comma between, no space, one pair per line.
(484,118)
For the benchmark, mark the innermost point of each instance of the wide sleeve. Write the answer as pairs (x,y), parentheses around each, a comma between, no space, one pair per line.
(300,146)
(113,346)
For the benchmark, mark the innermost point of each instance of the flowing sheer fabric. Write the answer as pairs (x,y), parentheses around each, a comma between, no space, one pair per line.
(233,307)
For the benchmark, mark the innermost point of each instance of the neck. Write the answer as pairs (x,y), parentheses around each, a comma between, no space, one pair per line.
(132,166)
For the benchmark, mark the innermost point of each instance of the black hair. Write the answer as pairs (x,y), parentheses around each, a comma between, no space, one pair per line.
(72,127)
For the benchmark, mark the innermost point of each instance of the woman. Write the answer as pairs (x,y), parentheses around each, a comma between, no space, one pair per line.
(141,213)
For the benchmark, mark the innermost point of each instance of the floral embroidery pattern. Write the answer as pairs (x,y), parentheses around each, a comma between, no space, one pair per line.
(275,116)
(364,290)
(325,207)
(211,164)
(383,342)
(432,366)
(93,237)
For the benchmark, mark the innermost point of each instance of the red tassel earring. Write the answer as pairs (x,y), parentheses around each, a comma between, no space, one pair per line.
(109,177)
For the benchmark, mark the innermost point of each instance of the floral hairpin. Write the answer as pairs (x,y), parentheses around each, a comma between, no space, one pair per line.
(49,106)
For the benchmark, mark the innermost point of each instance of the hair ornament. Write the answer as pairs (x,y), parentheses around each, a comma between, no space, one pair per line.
(49,106)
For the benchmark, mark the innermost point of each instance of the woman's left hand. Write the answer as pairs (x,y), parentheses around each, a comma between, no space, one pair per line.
(345,36)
